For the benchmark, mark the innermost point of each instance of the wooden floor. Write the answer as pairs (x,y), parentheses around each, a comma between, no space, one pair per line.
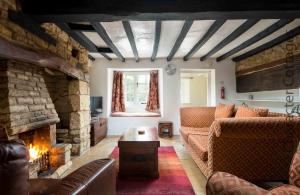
(105,147)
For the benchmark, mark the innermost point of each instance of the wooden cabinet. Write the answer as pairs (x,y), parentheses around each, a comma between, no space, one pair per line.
(165,128)
(98,130)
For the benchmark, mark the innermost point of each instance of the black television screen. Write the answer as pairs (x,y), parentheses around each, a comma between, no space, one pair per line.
(96,103)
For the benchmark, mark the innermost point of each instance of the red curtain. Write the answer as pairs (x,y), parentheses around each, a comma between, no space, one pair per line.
(118,104)
(153,99)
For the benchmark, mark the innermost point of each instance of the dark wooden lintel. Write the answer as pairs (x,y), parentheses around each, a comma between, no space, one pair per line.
(13,51)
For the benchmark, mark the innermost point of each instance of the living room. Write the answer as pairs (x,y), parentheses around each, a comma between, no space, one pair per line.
(162,97)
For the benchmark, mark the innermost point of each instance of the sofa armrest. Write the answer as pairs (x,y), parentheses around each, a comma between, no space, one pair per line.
(96,177)
(256,149)
(197,117)
(256,127)
(225,183)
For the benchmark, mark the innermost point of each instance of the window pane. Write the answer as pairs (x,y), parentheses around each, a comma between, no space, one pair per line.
(136,90)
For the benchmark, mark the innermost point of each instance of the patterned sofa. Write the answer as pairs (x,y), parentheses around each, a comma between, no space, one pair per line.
(225,183)
(254,148)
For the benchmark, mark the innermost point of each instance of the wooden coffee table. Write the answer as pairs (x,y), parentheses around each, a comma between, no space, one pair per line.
(139,153)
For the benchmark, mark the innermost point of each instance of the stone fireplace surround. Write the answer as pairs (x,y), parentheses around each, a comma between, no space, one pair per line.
(35,99)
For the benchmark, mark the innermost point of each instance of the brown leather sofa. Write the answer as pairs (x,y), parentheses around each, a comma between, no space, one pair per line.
(253,148)
(97,177)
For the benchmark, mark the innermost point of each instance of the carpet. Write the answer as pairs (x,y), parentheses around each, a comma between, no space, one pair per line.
(172,177)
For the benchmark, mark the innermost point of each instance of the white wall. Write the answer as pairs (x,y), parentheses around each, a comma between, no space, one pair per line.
(269,96)
(224,76)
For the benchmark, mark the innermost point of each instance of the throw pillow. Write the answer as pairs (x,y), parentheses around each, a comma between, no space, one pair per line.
(243,111)
(224,111)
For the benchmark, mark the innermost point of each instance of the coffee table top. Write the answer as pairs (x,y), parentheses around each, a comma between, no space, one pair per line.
(132,135)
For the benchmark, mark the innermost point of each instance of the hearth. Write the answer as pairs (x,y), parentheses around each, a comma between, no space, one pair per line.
(45,156)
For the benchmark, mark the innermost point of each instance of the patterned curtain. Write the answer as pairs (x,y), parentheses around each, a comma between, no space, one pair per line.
(153,99)
(118,104)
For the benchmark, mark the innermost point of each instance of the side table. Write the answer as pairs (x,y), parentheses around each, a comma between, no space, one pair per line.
(165,128)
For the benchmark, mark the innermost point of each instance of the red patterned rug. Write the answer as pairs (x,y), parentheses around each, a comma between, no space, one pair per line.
(172,178)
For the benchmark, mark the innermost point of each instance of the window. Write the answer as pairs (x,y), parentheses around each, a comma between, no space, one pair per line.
(136,90)
(185,90)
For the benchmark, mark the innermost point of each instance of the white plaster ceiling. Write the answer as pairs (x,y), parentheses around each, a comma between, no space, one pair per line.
(95,38)
(118,36)
(169,33)
(196,32)
(144,34)
(226,29)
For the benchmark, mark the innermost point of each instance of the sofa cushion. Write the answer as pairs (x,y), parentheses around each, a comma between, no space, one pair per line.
(244,111)
(224,111)
(186,131)
(199,144)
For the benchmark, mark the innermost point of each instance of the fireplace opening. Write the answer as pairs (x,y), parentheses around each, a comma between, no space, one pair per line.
(44,154)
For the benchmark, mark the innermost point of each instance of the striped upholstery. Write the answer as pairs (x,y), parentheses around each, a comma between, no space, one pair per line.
(242,146)
(197,117)
(187,131)
(225,183)
(199,143)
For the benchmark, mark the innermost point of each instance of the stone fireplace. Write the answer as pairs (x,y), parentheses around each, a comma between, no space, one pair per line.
(46,109)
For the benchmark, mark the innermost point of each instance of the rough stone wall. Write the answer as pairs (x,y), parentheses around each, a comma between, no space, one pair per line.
(26,103)
(275,53)
(80,118)
(63,48)
(58,86)
(72,102)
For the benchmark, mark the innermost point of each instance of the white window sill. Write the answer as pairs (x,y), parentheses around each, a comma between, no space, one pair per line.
(135,114)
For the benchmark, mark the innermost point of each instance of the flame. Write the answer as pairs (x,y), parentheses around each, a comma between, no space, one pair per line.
(35,152)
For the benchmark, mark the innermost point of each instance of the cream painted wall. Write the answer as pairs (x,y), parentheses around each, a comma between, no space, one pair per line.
(224,76)
(198,89)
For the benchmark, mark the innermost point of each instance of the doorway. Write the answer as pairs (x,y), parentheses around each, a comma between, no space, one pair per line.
(195,88)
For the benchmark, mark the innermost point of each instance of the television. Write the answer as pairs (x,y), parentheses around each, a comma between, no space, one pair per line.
(96,105)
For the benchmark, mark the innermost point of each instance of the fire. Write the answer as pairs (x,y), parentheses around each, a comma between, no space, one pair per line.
(35,152)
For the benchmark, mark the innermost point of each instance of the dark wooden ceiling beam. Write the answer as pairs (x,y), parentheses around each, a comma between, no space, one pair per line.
(83,40)
(81,27)
(91,58)
(103,34)
(210,32)
(31,25)
(235,34)
(104,10)
(156,39)
(185,29)
(79,37)
(105,56)
(274,27)
(104,50)
(131,39)
(290,34)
